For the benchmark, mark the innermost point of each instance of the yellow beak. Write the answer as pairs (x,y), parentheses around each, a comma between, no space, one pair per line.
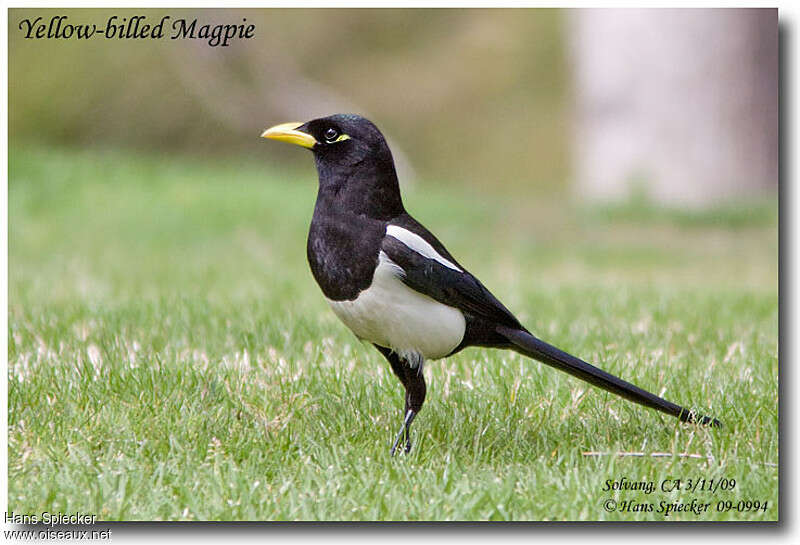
(287,132)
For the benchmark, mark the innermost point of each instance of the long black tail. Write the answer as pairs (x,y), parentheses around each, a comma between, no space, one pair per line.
(528,345)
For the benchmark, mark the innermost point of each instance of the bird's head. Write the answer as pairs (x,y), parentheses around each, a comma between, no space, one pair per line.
(340,139)
(353,160)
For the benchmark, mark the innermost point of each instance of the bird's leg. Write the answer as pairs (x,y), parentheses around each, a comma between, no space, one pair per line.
(404,430)
(414,384)
(415,397)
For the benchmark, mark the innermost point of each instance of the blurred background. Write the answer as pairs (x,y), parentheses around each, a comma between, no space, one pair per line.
(676,106)
(592,147)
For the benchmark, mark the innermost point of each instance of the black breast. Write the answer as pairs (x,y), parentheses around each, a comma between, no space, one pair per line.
(343,252)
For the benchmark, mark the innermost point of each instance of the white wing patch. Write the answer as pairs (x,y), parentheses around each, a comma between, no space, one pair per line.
(419,245)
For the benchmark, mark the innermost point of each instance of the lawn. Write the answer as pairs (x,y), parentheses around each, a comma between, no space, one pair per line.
(170,356)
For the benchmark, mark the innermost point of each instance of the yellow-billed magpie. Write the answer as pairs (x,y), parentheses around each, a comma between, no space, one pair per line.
(395,285)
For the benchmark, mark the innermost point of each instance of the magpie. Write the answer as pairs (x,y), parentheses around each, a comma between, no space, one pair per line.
(395,285)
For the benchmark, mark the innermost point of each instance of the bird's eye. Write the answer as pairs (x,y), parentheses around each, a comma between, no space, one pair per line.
(331,134)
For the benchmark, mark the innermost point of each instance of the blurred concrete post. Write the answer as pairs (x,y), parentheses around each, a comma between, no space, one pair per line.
(681,104)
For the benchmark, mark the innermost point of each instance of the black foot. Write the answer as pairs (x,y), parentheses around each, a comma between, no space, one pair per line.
(404,431)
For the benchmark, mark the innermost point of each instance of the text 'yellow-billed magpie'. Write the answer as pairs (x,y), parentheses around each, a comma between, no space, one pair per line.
(395,285)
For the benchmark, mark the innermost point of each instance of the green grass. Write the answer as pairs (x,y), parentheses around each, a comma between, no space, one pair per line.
(171,358)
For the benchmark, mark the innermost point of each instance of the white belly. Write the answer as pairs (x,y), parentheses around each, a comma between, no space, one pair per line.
(392,315)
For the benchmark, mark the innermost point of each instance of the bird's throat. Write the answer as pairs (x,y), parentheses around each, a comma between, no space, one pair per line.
(368,188)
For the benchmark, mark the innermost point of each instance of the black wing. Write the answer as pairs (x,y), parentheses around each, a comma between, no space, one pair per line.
(457,289)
